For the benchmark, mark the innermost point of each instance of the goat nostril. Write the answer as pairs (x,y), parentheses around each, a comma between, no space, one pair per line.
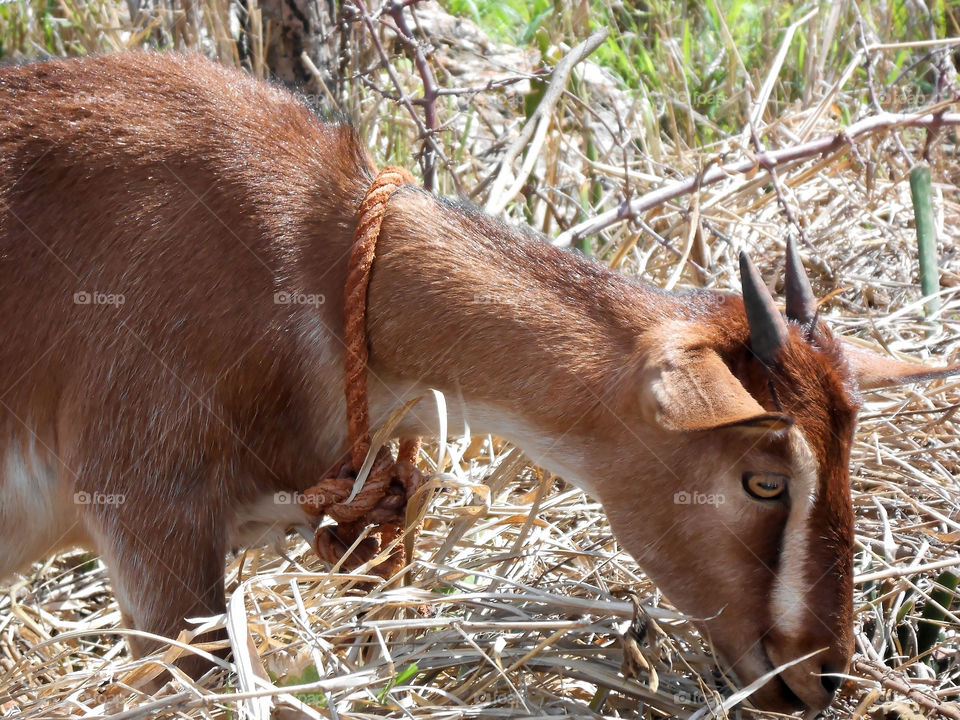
(830,679)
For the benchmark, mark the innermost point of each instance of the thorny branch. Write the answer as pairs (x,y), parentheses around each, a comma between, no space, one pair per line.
(394,8)
(432,149)
(930,118)
(429,126)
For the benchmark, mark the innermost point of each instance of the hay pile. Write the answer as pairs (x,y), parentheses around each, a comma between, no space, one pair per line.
(519,597)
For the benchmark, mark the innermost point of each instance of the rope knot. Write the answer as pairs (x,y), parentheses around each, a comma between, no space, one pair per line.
(381,502)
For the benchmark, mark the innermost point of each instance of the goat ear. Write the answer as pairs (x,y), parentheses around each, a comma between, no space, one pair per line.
(873,370)
(696,391)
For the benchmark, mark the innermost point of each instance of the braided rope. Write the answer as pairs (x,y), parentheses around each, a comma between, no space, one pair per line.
(370,218)
(390,484)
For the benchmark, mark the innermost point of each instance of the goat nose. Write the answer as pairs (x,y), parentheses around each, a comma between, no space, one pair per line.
(830,678)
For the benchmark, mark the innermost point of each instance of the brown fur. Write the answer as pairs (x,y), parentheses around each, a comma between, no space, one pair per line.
(198,193)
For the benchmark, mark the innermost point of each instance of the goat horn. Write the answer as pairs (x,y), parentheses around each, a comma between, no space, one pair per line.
(801,303)
(768,331)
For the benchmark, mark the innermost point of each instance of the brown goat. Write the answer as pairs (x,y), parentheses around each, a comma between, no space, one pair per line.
(173,240)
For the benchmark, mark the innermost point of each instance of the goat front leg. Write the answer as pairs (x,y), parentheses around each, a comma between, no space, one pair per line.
(166,568)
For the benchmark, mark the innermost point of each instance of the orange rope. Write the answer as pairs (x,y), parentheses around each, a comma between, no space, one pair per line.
(382,499)
(370,218)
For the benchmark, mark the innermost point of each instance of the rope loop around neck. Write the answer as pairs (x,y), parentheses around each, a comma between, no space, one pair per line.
(369,219)
(391,483)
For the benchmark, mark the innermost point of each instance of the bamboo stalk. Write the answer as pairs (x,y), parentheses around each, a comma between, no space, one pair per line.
(926,236)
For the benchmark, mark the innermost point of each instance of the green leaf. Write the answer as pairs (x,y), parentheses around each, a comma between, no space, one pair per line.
(930,627)
(310,674)
(403,676)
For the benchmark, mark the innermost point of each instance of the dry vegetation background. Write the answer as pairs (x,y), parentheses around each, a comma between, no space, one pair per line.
(519,598)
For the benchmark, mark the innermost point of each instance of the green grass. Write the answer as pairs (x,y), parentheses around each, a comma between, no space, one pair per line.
(514,21)
(680,53)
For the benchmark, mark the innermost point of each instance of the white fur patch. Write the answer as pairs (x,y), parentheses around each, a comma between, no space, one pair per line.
(265,521)
(318,343)
(790,600)
(38,515)
(554,452)
(557,454)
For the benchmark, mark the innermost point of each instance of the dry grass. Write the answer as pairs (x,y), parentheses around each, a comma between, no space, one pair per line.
(518,595)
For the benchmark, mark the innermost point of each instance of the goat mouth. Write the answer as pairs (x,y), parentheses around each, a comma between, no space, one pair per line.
(784,692)
(788,695)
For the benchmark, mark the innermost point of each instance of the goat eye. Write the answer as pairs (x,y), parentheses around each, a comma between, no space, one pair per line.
(764,486)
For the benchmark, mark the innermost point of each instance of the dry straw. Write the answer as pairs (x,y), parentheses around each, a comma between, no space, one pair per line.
(518,595)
